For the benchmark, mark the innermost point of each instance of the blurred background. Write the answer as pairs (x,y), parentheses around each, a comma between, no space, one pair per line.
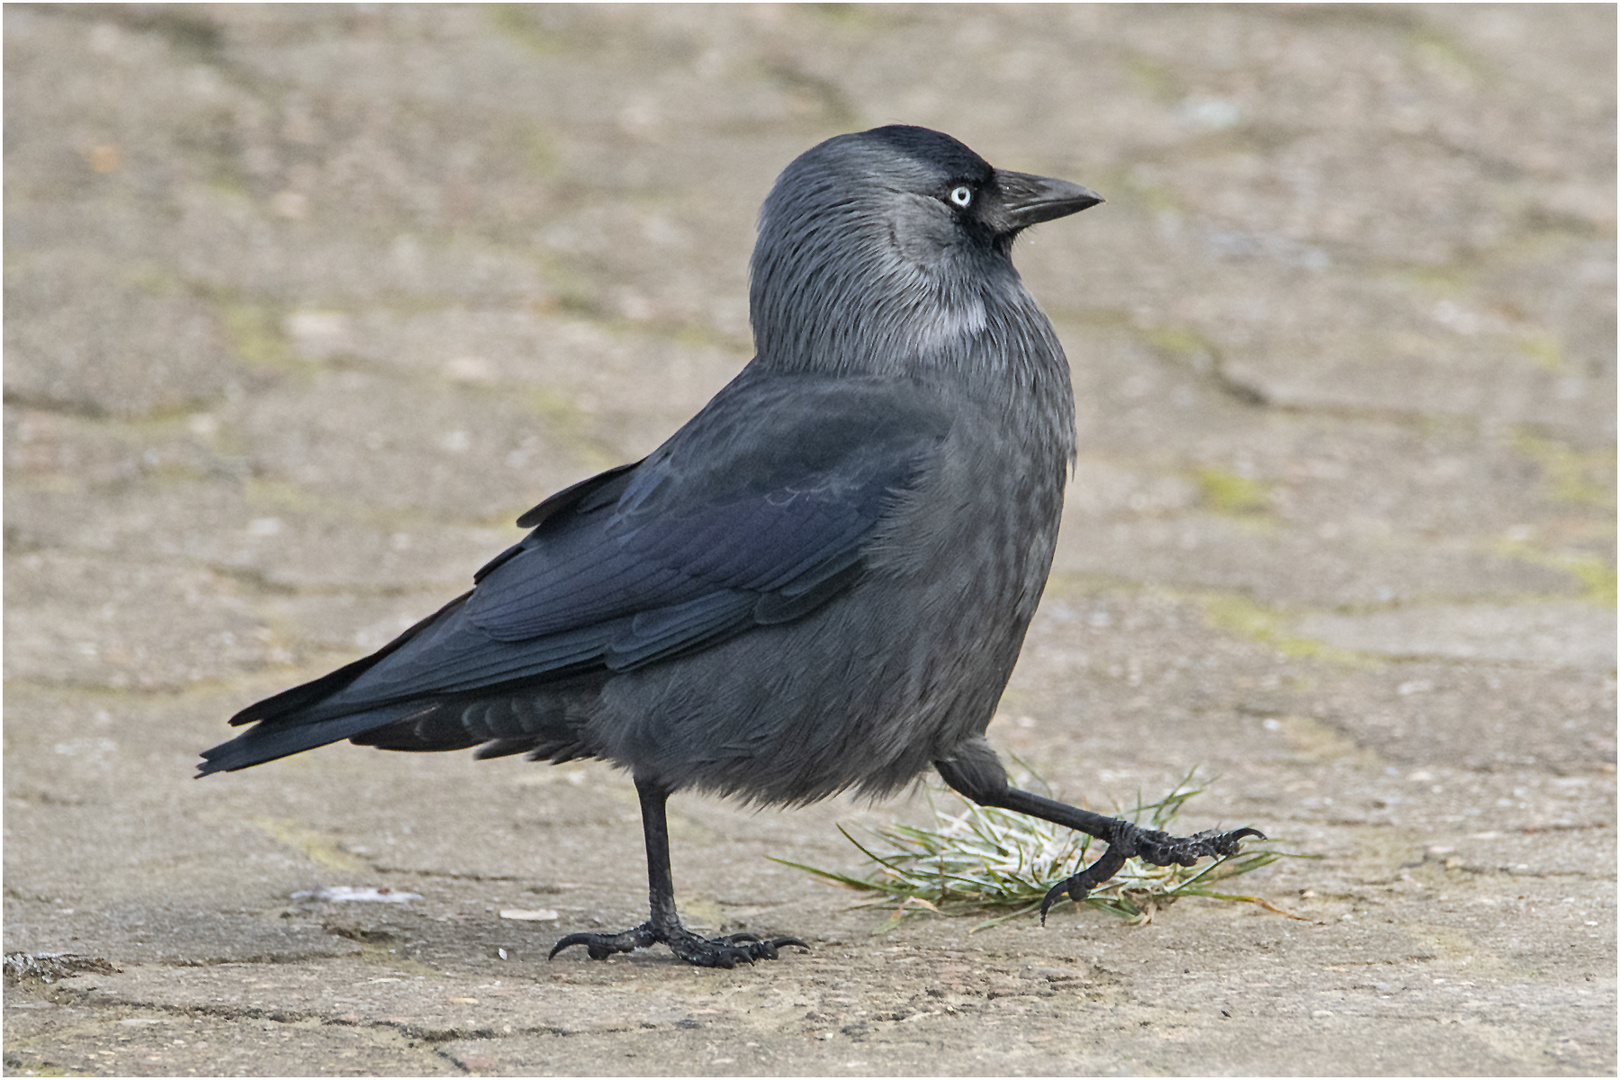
(304,304)
(306,299)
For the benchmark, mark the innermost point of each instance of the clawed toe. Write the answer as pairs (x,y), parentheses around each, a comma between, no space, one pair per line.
(721,952)
(762,949)
(1162,849)
(602,946)
(729,951)
(1228,843)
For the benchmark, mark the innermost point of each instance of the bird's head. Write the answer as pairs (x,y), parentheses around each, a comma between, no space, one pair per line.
(880,248)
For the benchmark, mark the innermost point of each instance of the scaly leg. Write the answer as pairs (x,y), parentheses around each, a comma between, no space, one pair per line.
(664,925)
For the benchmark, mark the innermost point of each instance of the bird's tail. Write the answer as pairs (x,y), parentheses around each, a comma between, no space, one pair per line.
(271,739)
(535,720)
(307,716)
(541,715)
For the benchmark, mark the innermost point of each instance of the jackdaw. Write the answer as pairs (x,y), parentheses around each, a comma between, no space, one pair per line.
(822,581)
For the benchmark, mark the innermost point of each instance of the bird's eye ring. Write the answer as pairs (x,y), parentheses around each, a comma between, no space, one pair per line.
(962,195)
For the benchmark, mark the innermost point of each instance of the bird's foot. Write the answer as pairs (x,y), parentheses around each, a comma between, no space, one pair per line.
(725,951)
(1126,841)
(722,952)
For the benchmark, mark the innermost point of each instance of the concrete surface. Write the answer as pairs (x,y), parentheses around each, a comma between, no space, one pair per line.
(304,305)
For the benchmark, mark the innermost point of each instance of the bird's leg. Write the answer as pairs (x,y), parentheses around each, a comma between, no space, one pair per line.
(664,925)
(975,771)
(1125,840)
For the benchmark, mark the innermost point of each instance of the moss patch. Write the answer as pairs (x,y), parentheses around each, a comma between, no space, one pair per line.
(1582,477)
(254,330)
(1598,580)
(1242,616)
(1228,493)
(316,846)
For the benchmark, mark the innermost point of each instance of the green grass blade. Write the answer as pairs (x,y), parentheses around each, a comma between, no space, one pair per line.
(1002,864)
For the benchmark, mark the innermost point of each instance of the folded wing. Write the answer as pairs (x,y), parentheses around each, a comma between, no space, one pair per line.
(757,511)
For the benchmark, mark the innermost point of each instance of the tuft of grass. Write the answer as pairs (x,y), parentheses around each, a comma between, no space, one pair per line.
(1000,864)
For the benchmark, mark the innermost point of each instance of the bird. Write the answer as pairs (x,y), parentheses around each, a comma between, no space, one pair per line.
(821,582)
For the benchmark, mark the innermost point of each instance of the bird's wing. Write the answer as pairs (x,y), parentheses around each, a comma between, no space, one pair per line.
(757,511)
(754,512)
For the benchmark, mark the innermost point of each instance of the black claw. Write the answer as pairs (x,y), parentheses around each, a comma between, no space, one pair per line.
(1053,895)
(571,939)
(1078,886)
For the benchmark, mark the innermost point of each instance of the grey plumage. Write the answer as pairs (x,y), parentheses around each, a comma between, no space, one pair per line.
(823,580)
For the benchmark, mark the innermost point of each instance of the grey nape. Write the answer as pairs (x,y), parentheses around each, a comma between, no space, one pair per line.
(821,581)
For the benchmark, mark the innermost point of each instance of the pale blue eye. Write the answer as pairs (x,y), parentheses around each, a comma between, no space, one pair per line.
(961,195)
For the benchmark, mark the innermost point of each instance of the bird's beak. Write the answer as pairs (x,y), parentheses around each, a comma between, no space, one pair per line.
(1029,200)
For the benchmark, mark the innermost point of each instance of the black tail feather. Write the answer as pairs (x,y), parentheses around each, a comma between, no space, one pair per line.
(267,741)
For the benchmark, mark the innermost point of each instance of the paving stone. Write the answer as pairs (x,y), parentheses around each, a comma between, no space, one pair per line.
(619,389)
(83,338)
(1280,567)
(256,536)
(110,622)
(357,450)
(1554,635)
(305,305)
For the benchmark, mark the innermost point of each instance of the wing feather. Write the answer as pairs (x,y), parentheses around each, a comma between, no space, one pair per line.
(756,512)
